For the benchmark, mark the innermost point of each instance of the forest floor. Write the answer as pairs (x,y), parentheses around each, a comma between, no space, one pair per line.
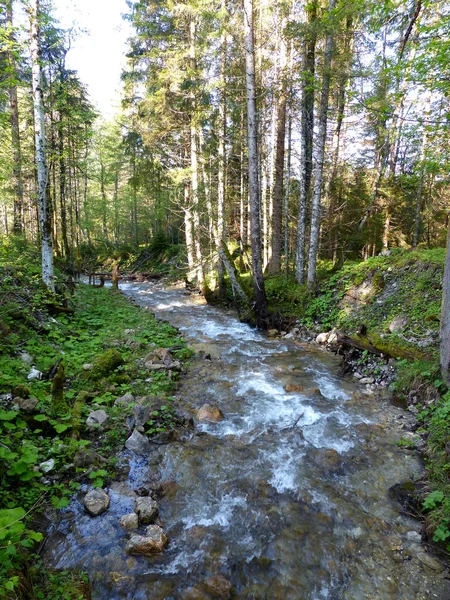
(68,384)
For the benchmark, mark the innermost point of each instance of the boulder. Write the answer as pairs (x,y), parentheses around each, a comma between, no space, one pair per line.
(96,418)
(26,405)
(322,338)
(153,542)
(34,374)
(430,562)
(26,358)
(96,502)
(124,400)
(292,388)
(106,363)
(209,413)
(159,359)
(130,521)
(218,587)
(47,466)
(146,509)
(367,380)
(138,443)
(397,324)
(87,458)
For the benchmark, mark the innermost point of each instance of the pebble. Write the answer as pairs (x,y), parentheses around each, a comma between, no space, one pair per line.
(413,536)
(367,380)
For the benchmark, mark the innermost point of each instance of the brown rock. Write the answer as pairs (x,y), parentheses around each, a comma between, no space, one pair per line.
(130,521)
(146,509)
(292,387)
(26,405)
(153,542)
(209,413)
(218,587)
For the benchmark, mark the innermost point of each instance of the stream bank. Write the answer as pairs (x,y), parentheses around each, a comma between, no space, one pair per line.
(286,497)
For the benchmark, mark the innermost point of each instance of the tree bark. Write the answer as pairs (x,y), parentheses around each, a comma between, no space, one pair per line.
(318,173)
(306,135)
(445,317)
(45,217)
(15,131)
(252,129)
(277,194)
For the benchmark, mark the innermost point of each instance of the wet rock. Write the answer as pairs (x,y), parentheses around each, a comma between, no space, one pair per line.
(123,489)
(138,443)
(146,509)
(47,466)
(153,542)
(322,338)
(26,405)
(332,337)
(414,536)
(97,418)
(218,587)
(357,375)
(367,380)
(209,413)
(430,562)
(141,414)
(292,387)
(124,400)
(326,458)
(195,593)
(87,458)
(96,502)
(272,333)
(34,374)
(312,392)
(130,521)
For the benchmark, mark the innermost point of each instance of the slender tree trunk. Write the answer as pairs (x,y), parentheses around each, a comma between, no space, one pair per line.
(15,131)
(445,317)
(277,195)
(104,200)
(45,217)
(62,187)
(419,197)
(188,229)
(306,135)
(258,280)
(221,156)
(194,162)
(318,174)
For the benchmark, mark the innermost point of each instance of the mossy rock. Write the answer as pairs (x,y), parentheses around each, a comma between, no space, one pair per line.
(21,391)
(106,363)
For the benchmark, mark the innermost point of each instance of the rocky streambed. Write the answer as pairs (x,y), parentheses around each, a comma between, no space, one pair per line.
(280,493)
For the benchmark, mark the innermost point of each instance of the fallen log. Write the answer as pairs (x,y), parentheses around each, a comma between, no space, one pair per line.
(375,345)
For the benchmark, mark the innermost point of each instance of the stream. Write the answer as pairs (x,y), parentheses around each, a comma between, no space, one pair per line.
(286,498)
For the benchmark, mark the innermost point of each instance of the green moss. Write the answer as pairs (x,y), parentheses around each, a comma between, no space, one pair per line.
(106,363)
(22,391)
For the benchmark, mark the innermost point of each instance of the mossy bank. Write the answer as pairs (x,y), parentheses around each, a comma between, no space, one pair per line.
(57,374)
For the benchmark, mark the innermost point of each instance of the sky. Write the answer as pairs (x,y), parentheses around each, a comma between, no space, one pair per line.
(98,49)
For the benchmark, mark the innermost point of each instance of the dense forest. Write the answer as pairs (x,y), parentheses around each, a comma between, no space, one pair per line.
(292,133)
(259,144)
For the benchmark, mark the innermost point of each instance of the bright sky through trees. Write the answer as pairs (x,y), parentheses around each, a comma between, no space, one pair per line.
(98,48)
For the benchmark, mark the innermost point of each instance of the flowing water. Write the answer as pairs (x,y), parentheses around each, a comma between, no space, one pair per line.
(286,498)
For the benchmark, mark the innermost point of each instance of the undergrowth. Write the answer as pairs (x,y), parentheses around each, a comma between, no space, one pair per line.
(71,354)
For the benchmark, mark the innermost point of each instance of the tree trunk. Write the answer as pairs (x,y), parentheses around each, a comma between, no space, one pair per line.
(277,195)
(445,317)
(221,156)
(15,131)
(306,135)
(258,280)
(45,217)
(62,187)
(318,173)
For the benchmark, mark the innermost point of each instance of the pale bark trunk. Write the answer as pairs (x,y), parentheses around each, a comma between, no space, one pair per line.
(15,132)
(306,134)
(318,173)
(194,162)
(221,156)
(258,281)
(277,194)
(188,229)
(45,217)
(445,318)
